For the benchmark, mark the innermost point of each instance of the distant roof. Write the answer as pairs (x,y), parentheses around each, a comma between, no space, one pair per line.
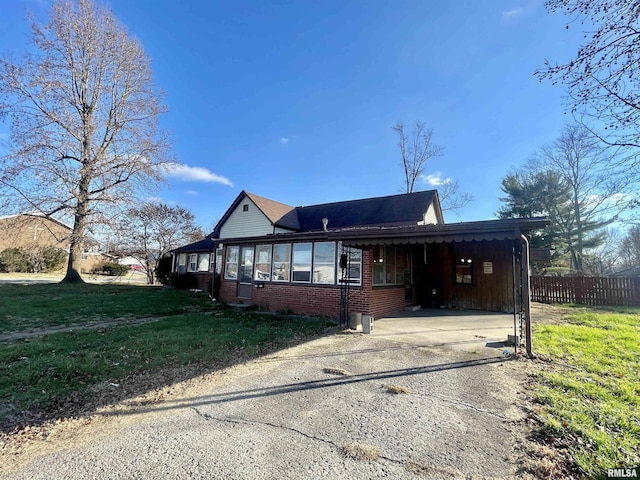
(37,214)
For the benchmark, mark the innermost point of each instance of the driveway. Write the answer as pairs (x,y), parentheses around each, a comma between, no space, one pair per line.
(318,410)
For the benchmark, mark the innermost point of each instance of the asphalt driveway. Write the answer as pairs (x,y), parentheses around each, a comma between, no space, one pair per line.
(286,416)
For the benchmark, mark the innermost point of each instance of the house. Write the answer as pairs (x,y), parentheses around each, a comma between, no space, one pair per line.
(374,255)
(34,230)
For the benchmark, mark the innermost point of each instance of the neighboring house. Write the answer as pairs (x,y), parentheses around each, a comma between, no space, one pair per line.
(374,255)
(29,231)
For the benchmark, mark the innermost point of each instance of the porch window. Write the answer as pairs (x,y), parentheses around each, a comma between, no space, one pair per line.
(182,261)
(281,262)
(354,262)
(464,272)
(218,260)
(231,266)
(301,260)
(391,265)
(263,262)
(203,262)
(324,262)
(193,262)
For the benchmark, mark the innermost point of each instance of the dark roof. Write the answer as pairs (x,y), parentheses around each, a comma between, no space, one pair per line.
(402,209)
(205,245)
(503,229)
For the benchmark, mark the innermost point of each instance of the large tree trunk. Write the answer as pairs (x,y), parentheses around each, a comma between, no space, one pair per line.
(75,251)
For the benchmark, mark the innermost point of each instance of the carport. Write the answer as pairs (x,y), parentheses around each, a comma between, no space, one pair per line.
(472,265)
(466,330)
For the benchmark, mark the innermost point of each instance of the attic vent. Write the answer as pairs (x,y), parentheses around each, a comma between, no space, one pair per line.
(245,208)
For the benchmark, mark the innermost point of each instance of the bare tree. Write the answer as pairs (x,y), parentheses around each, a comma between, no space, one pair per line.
(603,79)
(84,110)
(416,150)
(630,248)
(150,232)
(577,182)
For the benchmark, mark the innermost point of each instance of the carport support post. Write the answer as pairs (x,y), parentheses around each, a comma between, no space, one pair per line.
(526,295)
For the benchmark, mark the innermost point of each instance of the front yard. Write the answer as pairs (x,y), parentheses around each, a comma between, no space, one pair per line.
(588,394)
(66,374)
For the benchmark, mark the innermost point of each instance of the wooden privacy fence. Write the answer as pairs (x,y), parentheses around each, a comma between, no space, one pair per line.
(622,291)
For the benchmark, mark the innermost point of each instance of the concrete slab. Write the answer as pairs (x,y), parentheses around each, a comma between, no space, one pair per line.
(468,330)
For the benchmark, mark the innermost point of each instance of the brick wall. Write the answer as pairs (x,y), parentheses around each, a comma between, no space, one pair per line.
(321,300)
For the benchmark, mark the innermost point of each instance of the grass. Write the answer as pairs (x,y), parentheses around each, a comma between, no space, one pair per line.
(361,451)
(591,401)
(39,306)
(38,373)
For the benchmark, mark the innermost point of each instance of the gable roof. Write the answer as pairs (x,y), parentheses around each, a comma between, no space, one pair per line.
(36,214)
(390,210)
(401,209)
(274,211)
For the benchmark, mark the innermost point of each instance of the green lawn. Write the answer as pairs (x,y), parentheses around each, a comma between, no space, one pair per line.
(39,306)
(590,398)
(40,372)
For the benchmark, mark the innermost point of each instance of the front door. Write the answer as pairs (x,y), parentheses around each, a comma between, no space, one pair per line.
(245,275)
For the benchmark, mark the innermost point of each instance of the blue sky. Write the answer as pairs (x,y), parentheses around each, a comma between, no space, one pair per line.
(296,100)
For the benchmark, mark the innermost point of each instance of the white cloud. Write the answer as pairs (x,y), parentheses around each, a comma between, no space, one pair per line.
(435,179)
(192,192)
(512,13)
(284,140)
(195,174)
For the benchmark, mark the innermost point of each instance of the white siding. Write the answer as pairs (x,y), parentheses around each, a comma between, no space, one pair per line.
(430,217)
(251,223)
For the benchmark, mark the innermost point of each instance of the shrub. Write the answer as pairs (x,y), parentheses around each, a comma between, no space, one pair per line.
(14,260)
(52,258)
(115,269)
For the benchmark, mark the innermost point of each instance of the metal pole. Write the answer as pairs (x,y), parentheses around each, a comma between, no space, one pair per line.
(526,295)
(515,300)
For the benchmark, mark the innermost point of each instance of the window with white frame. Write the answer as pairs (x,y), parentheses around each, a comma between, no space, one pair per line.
(281,262)
(263,263)
(193,262)
(203,262)
(353,267)
(212,262)
(324,262)
(219,260)
(231,264)
(182,262)
(301,260)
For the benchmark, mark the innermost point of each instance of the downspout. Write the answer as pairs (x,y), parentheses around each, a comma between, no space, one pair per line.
(526,295)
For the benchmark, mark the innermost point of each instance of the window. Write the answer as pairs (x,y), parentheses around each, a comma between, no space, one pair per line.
(391,265)
(245,208)
(182,261)
(324,262)
(203,262)
(212,262)
(464,272)
(281,259)
(193,262)
(263,262)
(219,260)
(301,262)
(246,265)
(354,262)
(231,266)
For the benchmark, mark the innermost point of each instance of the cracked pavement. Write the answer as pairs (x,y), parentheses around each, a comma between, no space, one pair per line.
(283,417)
